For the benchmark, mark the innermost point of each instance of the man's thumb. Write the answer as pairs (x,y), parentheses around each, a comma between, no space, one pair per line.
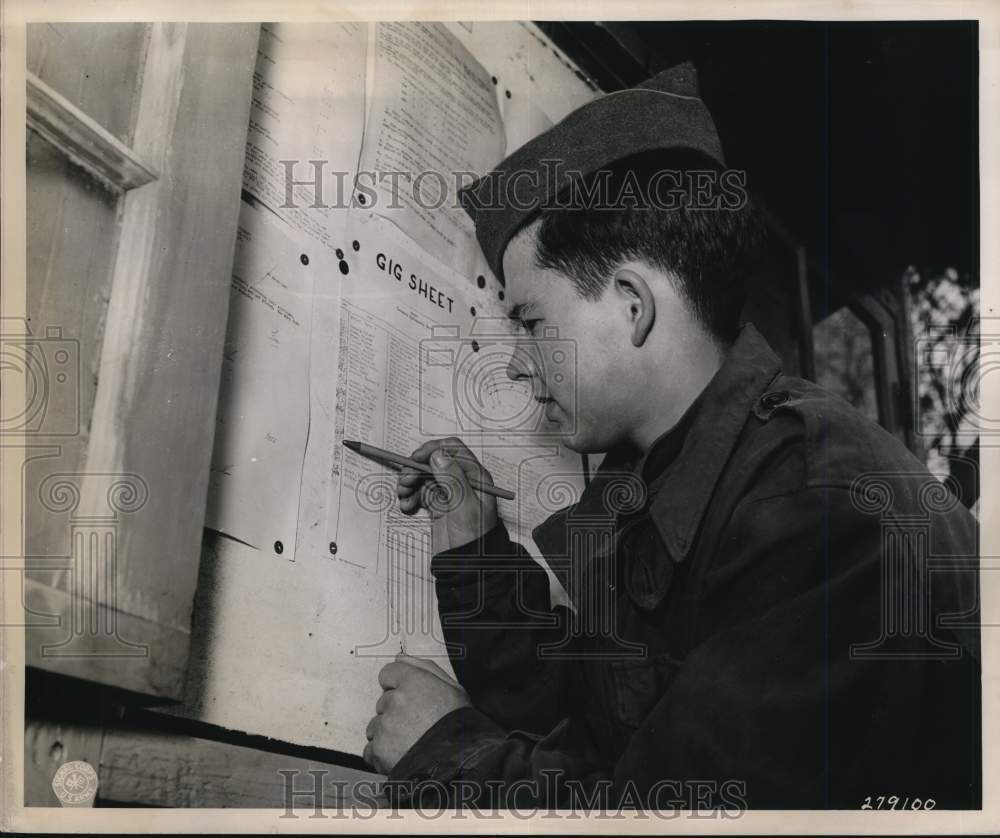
(446,466)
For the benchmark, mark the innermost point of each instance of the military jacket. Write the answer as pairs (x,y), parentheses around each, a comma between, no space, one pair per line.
(781,611)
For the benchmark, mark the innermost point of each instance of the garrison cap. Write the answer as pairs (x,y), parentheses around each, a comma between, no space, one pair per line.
(664,112)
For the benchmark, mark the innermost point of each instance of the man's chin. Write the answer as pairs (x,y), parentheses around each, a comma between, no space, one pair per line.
(558,424)
(570,438)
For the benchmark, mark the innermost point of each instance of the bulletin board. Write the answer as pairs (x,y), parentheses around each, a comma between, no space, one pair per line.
(360,313)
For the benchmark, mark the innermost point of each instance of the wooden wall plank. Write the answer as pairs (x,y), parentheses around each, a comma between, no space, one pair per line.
(72,231)
(117,657)
(142,761)
(47,745)
(96,66)
(181,771)
(162,77)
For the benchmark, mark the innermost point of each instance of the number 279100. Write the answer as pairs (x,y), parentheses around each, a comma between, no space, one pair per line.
(894,801)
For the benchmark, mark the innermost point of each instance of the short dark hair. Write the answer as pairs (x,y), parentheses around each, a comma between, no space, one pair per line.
(711,251)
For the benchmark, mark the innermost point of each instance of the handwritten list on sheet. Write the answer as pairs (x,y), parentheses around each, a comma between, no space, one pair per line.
(306,120)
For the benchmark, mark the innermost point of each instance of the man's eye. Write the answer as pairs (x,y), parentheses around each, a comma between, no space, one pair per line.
(522,327)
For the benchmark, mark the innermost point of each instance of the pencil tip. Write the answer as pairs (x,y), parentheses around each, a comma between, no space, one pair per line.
(354,446)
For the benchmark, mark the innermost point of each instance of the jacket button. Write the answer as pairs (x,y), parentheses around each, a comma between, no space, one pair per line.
(770,401)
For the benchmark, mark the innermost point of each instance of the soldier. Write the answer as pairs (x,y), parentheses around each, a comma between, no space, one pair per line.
(757,622)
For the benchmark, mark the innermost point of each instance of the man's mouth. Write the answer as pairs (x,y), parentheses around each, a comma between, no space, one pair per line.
(548,407)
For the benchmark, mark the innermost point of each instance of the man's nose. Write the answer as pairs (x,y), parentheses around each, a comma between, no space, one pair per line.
(521,364)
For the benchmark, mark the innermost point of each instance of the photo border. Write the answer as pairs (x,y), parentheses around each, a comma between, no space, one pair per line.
(14,14)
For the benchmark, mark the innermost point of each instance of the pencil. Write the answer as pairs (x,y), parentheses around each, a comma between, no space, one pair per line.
(397,461)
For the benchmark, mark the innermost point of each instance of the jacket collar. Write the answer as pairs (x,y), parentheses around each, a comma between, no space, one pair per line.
(680,494)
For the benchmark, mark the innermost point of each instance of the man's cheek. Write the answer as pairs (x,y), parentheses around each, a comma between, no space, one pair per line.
(393,712)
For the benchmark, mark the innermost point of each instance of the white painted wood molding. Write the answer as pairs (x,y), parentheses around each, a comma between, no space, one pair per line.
(83,141)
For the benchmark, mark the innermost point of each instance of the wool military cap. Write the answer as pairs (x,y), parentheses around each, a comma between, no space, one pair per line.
(664,113)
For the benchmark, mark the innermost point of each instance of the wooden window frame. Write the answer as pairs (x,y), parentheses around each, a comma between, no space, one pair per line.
(171,185)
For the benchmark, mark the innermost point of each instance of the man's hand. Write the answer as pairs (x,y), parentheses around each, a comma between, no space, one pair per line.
(459,514)
(416,693)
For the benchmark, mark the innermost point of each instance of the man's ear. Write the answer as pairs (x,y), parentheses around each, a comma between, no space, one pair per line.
(634,290)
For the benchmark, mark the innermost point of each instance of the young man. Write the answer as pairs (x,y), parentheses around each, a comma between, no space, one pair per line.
(755,619)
